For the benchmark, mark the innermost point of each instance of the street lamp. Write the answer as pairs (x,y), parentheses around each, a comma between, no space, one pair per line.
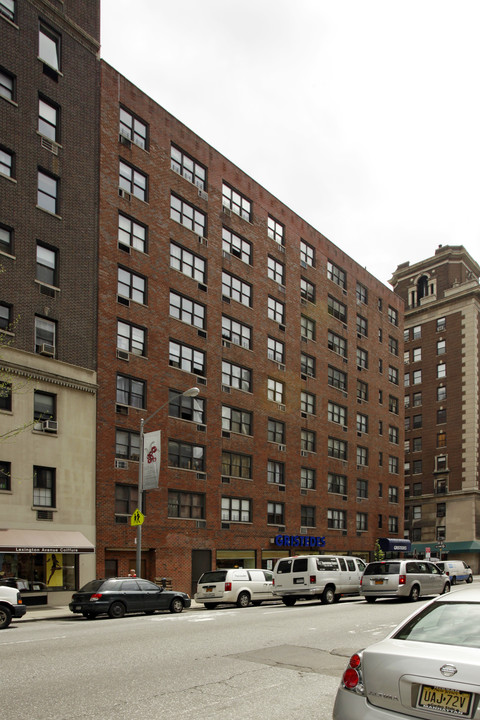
(191,392)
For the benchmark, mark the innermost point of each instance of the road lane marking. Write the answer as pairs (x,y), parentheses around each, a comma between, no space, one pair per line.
(22,642)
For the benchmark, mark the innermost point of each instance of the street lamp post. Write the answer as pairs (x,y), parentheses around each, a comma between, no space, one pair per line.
(191,392)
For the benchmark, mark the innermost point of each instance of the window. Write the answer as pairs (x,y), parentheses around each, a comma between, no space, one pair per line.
(337,378)
(441,347)
(380,335)
(416,377)
(44,406)
(337,448)
(127,444)
(236,289)
(186,358)
(417,332)
(132,286)
(5,396)
(362,522)
(337,413)
(7,166)
(132,180)
(441,416)
(237,246)
(307,290)
(186,456)
(236,332)
(441,393)
(5,475)
(7,85)
(308,440)
(276,431)
(6,239)
(188,216)
(406,357)
(362,488)
(307,516)
(307,328)
(362,456)
(236,202)
(236,465)
(46,265)
(131,338)
(393,404)
(307,402)
(275,513)
(276,472)
(236,376)
(48,119)
(236,421)
(276,350)
(441,486)
(276,310)
(336,275)
(393,345)
(441,463)
(337,309)
(307,478)
(380,365)
(131,234)
(393,315)
(362,325)
(126,502)
(417,489)
(362,390)
(441,370)
(393,434)
(416,354)
(393,524)
(191,169)
(275,390)
(49,47)
(337,344)
(236,510)
(186,505)
(407,423)
(5,317)
(7,8)
(131,391)
(362,423)
(417,512)
(417,399)
(441,324)
(441,439)
(187,262)
(393,465)
(362,293)
(307,254)
(393,494)
(417,468)
(417,421)
(406,401)
(441,509)
(187,310)
(406,380)
(186,408)
(276,230)
(417,444)
(336,519)
(43,486)
(45,336)
(134,129)
(47,192)
(393,374)
(307,365)
(276,270)
(380,427)
(362,358)
(337,483)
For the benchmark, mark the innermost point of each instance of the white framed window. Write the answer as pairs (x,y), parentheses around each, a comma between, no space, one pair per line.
(133,128)
(337,275)
(236,202)
(237,246)
(187,215)
(236,332)
(188,167)
(131,234)
(187,310)
(236,289)
(188,263)
(307,254)
(276,230)
(275,390)
(276,310)
(132,180)
(276,270)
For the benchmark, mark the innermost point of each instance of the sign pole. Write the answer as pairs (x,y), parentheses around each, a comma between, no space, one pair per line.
(138,564)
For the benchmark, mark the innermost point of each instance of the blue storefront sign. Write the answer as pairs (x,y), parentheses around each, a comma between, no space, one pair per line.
(300,541)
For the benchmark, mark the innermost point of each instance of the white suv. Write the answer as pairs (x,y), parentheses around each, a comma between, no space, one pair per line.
(11,605)
(235,586)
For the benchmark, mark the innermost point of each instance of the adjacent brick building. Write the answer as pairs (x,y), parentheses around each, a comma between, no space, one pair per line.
(442,360)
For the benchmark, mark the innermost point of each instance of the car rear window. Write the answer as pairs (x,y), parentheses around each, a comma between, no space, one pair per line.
(383,568)
(214,576)
(92,586)
(284,566)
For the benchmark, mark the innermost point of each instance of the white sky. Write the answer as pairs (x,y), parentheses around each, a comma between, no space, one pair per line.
(362,116)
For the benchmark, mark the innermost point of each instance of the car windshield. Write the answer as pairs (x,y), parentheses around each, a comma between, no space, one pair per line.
(448,623)
(213,577)
(383,568)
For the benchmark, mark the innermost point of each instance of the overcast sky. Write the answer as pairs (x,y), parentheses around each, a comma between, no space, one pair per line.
(362,116)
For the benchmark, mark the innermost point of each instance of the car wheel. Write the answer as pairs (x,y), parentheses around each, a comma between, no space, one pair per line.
(414,594)
(5,617)
(116,610)
(446,588)
(243,600)
(289,601)
(176,606)
(370,599)
(149,612)
(454,579)
(328,596)
(89,615)
(210,606)
(470,579)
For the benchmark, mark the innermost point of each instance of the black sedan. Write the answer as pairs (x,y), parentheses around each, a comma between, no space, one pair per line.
(120,595)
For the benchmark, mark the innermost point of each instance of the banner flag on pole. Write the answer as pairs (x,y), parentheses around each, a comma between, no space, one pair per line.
(151,459)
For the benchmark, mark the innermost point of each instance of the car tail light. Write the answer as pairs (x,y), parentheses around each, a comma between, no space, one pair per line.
(95,596)
(228,586)
(402,579)
(313,579)
(352,677)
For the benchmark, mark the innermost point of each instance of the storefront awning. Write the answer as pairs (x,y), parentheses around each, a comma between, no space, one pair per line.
(44,541)
(394,544)
(467,546)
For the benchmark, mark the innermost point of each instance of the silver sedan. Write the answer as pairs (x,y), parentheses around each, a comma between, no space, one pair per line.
(427,668)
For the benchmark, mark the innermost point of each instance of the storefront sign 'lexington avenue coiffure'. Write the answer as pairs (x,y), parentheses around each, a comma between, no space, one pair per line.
(305,541)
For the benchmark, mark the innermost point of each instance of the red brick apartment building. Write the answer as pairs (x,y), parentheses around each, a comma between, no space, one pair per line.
(442,361)
(205,279)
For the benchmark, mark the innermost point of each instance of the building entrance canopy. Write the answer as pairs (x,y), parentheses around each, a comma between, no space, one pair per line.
(394,544)
(44,541)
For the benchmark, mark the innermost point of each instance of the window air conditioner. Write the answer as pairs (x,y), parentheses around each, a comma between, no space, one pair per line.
(124,194)
(50,426)
(123,354)
(48,350)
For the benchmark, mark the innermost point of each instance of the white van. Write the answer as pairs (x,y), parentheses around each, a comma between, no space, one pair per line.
(457,570)
(327,577)
(237,586)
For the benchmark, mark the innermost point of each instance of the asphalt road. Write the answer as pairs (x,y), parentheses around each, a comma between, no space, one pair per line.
(269,662)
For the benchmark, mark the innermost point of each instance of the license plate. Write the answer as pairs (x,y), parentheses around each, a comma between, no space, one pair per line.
(209,589)
(450,702)
(378,582)
(77,608)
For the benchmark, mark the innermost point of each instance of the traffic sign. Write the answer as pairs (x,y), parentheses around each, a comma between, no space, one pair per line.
(137,518)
